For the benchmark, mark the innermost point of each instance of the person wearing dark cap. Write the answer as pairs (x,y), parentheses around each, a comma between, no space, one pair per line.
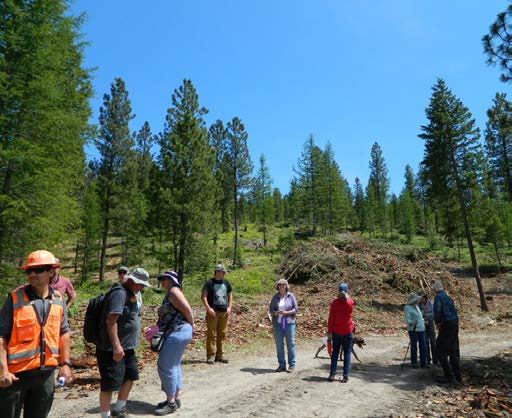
(176,321)
(340,329)
(447,343)
(283,309)
(217,298)
(118,338)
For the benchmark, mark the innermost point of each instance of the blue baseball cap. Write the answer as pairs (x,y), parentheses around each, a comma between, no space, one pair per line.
(343,288)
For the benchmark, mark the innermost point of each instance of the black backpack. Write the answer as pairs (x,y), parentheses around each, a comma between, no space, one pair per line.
(93,316)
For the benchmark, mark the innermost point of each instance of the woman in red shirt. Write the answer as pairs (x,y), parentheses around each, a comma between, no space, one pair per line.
(341,331)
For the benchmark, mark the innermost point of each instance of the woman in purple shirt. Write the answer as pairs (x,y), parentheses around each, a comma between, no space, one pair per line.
(283,308)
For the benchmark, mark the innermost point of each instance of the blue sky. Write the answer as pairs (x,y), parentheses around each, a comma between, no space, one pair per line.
(352,72)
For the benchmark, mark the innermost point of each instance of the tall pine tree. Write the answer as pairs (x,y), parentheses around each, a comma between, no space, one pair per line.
(453,160)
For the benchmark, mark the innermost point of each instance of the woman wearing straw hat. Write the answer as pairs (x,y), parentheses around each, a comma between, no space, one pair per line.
(416,329)
(283,309)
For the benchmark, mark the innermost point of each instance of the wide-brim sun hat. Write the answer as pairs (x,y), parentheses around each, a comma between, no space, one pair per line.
(139,276)
(413,298)
(171,275)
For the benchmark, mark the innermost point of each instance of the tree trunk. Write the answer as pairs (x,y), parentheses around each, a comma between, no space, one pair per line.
(471,248)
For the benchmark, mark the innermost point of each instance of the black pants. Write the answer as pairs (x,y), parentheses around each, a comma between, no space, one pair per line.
(33,392)
(447,346)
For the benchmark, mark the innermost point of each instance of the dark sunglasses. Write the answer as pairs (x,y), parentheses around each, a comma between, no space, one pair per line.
(37,270)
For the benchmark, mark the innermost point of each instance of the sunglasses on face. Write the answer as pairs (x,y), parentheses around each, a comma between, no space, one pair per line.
(36,270)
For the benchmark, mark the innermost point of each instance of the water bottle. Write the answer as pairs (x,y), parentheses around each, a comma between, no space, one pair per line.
(61,382)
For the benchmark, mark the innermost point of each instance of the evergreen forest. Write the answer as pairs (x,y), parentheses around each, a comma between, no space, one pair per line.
(172,193)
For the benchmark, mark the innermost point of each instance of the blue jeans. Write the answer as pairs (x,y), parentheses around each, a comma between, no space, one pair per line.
(338,342)
(418,338)
(169,359)
(279,337)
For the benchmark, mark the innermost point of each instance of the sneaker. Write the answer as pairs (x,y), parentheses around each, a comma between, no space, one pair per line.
(168,408)
(280,369)
(122,413)
(344,380)
(290,370)
(210,360)
(221,360)
(331,378)
(163,403)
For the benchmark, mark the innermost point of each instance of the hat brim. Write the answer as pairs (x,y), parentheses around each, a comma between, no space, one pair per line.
(137,280)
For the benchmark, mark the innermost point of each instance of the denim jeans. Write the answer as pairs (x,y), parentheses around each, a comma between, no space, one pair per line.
(279,337)
(169,359)
(339,342)
(418,338)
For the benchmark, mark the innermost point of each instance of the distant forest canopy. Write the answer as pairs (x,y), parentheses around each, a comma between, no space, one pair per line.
(202,182)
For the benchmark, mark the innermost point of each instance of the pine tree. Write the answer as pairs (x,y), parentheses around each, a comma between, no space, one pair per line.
(44,111)
(219,143)
(453,160)
(116,163)
(308,183)
(239,169)
(359,205)
(379,183)
(498,44)
(498,142)
(188,187)
(263,197)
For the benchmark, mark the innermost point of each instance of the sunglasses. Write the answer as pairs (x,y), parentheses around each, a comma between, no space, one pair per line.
(37,270)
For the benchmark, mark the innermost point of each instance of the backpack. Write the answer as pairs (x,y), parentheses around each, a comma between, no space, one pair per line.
(93,315)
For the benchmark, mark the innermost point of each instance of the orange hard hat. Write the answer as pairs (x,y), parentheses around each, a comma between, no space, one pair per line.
(40,258)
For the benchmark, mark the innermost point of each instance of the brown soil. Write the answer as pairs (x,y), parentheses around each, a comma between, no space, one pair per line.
(380,278)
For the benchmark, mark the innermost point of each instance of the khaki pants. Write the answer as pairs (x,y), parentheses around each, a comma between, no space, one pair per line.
(217,326)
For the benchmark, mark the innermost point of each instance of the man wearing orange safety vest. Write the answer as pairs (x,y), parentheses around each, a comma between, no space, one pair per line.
(34,341)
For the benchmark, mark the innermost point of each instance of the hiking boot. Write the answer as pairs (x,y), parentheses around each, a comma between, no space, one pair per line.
(122,413)
(221,360)
(449,380)
(163,403)
(210,360)
(280,369)
(168,408)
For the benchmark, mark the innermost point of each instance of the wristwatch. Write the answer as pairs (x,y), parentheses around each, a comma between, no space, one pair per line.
(67,363)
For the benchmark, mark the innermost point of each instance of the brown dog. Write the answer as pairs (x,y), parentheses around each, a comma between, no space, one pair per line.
(359,341)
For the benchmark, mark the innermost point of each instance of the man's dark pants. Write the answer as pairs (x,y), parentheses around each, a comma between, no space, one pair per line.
(447,345)
(33,391)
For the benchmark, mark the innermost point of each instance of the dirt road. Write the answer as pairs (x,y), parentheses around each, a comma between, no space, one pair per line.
(249,387)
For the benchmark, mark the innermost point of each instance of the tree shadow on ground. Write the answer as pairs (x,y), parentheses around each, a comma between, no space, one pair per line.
(406,378)
(255,370)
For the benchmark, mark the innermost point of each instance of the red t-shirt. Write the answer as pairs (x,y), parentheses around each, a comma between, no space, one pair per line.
(340,317)
(64,286)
